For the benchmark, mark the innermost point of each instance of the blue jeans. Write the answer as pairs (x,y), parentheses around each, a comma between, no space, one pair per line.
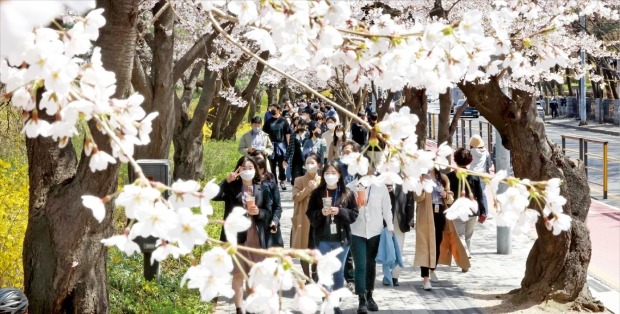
(325,247)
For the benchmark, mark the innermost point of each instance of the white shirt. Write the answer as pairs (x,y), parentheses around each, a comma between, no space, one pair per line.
(369,222)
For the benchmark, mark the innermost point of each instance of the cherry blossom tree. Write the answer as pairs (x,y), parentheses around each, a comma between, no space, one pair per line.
(499,44)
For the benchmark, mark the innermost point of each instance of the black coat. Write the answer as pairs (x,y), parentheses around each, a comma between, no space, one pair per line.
(403,206)
(347,214)
(476,189)
(270,186)
(231,194)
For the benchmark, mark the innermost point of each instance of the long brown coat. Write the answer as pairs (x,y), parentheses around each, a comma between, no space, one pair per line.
(300,232)
(425,247)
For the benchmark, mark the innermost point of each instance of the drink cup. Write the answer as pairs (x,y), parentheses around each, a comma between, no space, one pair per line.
(327,202)
(250,202)
(361,196)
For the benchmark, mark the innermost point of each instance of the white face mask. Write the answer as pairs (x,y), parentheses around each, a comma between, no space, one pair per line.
(331,179)
(248,175)
(331,126)
(339,134)
(311,168)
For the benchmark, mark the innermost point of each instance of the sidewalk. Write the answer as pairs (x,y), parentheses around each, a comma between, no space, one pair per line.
(481,290)
(592,126)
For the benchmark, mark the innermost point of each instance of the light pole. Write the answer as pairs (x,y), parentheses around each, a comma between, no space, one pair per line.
(582,81)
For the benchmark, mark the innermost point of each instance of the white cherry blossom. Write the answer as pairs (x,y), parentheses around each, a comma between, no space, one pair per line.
(189,230)
(217,260)
(156,222)
(236,222)
(210,191)
(461,208)
(99,160)
(95,204)
(327,265)
(184,194)
(136,198)
(164,250)
(123,243)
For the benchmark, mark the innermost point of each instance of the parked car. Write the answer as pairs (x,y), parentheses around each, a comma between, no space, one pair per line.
(469,111)
(540,110)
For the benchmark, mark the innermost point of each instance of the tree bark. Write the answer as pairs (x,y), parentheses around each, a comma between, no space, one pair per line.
(272,94)
(64,261)
(557,266)
(416,100)
(386,105)
(230,130)
(445,130)
(162,70)
(283,91)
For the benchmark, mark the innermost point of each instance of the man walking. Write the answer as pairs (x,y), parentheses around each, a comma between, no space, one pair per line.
(278,129)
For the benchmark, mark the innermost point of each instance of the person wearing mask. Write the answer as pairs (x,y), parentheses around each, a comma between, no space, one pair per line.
(430,222)
(334,149)
(315,144)
(403,209)
(279,132)
(270,185)
(255,140)
(269,114)
(481,162)
(319,119)
(295,157)
(243,188)
(473,190)
(331,112)
(348,147)
(331,211)
(302,188)
(328,136)
(358,132)
(375,207)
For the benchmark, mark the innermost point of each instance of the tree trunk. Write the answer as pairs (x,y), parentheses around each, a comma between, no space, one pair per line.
(188,136)
(272,94)
(283,91)
(416,100)
(444,130)
(557,266)
(568,83)
(162,72)
(230,130)
(386,105)
(64,262)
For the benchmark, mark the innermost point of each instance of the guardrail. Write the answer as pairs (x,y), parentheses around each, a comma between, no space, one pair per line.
(464,130)
(584,155)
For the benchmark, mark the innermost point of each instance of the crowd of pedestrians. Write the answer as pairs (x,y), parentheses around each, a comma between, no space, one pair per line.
(301,144)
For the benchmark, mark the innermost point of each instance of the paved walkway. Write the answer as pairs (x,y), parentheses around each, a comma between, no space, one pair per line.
(457,292)
(592,126)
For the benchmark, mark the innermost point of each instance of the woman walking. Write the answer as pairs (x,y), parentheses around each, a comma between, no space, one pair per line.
(430,221)
(270,184)
(302,188)
(375,207)
(331,211)
(335,148)
(242,188)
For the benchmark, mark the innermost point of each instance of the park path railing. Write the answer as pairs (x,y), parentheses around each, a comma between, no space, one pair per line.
(464,131)
(584,155)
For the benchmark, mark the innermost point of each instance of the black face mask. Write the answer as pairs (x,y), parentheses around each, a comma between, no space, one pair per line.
(317,134)
(273,112)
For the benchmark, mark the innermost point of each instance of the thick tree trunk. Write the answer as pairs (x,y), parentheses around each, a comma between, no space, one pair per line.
(162,72)
(444,130)
(64,262)
(416,100)
(569,84)
(557,266)
(284,89)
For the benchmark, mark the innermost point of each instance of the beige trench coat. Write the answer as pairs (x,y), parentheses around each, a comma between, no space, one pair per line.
(425,247)
(300,231)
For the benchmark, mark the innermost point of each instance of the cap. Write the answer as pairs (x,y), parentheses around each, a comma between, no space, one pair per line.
(476,141)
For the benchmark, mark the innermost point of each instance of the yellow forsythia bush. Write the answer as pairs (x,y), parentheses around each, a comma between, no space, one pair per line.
(13,221)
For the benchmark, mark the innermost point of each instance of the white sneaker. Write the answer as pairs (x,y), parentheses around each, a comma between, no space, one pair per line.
(434,277)
(427,286)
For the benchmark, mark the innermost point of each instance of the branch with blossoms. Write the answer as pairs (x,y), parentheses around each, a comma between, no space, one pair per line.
(80,92)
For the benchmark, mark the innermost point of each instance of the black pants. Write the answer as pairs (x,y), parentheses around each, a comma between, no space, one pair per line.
(554,112)
(440,222)
(349,271)
(278,162)
(364,255)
